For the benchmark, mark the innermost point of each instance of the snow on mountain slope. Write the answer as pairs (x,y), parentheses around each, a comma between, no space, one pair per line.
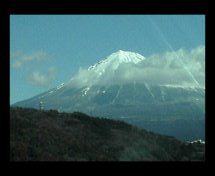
(128,85)
(114,60)
(107,70)
(123,67)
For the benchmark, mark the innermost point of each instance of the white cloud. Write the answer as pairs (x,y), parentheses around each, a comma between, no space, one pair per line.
(19,59)
(17,64)
(182,67)
(42,79)
(15,54)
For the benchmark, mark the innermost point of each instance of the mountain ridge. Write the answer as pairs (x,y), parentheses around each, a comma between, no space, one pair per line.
(108,89)
(52,136)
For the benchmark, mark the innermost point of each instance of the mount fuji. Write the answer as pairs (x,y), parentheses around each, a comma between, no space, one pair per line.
(120,87)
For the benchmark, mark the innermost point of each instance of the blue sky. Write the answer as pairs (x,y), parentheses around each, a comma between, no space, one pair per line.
(46,50)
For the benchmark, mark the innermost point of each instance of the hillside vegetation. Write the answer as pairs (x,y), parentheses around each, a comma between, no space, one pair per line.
(52,136)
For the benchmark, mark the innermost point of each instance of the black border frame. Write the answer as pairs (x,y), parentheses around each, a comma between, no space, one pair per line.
(15,7)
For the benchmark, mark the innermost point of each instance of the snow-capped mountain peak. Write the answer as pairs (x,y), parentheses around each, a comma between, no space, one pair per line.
(115,59)
(126,56)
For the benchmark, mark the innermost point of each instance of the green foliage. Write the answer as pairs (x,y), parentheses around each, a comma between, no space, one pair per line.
(52,136)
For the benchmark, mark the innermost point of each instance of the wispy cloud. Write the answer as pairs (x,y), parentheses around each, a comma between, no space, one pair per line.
(19,58)
(15,54)
(17,64)
(42,79)
(181,67)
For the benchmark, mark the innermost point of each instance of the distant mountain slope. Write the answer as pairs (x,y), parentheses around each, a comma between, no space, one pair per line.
(53,136)
(128,85)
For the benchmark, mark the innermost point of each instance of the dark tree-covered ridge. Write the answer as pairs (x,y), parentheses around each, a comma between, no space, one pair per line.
(37,135)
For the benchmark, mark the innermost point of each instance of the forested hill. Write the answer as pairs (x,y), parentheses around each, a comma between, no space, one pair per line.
(52,136)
